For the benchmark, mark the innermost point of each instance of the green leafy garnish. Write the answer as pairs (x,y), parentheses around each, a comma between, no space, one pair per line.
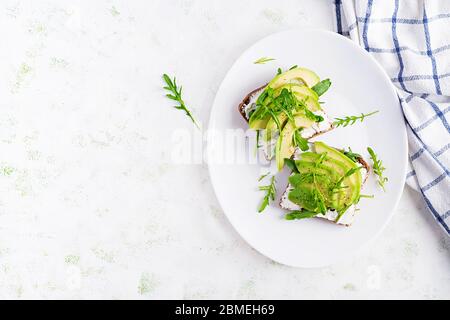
(279,71)
(350,120)
(299,141)
(263,60)
(257,145)
(293,67)
(303,214)
(270,193)
(378,168)
(263,176)
(291,164)
(322,87)
(175,94)
(351,155)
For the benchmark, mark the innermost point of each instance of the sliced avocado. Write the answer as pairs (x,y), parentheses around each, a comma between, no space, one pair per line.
(311,103)
(304,91)
(308,196)
(296,75)
(271,126)
(342,164)
(309,97)
(301,121)
(258,124)
(284,147)
(310,167)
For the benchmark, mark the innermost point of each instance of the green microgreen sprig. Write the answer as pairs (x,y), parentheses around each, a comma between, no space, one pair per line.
(378,168)
(350,120)
(263,60)
(270,193)
(175,94)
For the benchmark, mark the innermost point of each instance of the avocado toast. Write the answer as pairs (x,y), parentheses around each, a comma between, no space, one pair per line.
(286,112)
(325,183)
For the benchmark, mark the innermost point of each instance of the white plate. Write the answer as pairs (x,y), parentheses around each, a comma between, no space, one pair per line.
(359,85)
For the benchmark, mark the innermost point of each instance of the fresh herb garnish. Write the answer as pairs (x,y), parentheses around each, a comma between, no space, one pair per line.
(378,168)
(293,67)
(279,71)
(351,155)
(299,141)
(263,176)
(263,60)
(270,193)
(351,119)
(175,94)
(322,87)
(303,214)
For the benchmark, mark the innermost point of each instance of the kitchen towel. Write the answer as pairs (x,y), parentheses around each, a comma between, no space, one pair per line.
(411,40)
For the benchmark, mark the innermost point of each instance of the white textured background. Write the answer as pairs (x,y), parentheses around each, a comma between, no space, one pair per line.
(91,206)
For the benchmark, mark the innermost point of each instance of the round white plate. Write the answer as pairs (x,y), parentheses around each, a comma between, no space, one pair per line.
(358,85)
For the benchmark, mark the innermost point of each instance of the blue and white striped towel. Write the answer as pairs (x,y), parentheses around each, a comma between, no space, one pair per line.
(411,40)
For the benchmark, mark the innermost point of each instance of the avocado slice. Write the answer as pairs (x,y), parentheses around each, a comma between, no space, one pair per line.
(272,127)
(296,75)
(342,164)
(301,121)
(309,97)
(315,183)
(284,147)
(285,144)
(306,167)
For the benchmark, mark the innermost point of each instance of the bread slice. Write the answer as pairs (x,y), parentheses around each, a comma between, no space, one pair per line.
(249,103)
(347,218)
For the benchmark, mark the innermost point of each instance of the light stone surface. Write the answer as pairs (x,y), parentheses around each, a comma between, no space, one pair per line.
(93,207)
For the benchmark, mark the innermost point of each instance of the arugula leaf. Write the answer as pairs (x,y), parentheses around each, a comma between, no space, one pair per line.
(314,117)
(291,164)
(263,60)
(299,141)
(351,155)
(263,176)
(270,194)
(175,94)
(350,120)
(298,215)
(322,87)
(378,168)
